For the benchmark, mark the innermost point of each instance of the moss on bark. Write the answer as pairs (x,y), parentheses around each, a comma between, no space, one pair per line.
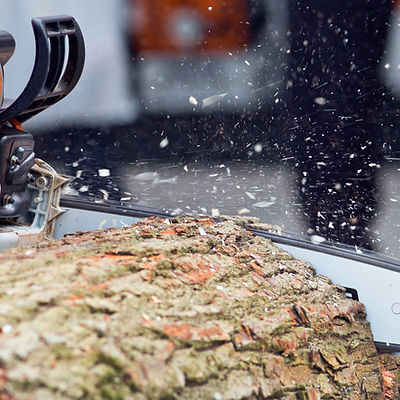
(180,309)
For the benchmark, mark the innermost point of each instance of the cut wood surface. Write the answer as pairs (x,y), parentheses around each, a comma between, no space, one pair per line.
(183,308)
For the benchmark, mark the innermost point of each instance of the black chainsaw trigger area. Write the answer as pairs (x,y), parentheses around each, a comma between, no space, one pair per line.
(59,61)
(50,82)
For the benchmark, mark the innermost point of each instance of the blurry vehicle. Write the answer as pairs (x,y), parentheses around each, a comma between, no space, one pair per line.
(205,52)
(192,56)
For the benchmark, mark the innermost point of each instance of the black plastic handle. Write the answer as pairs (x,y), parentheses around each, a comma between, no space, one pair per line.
(48,83)
(7,47)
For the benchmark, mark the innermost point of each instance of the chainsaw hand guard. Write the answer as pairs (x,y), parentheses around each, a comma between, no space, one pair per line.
(47,84)
(55,73)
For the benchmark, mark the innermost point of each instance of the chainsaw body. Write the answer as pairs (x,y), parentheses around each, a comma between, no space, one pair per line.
(29,187)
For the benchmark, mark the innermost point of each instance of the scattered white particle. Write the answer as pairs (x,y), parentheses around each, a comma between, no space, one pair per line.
(263,204)
(104,172)
(164,143)
(126,198)
(213,175)
(246,62)
(104,193)
(146,176)
(102,223)
(66,149)
(266,309)
(186,168)
(258,148)
(243,211)
(352,155)
(83,189)
(193,100)
(330,225)
(315,239)
(7,328)
(75,164)
(217,396)
(208,101)
(387,66)
(202,231)
(250,195)
(276,101)
(358,251)
(394,200)
(210,8)
(321,101)
(79,173)
(372,165)
(215,212)
(219,287)
(152,87)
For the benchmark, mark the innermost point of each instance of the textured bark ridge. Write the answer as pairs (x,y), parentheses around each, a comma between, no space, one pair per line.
(180,309)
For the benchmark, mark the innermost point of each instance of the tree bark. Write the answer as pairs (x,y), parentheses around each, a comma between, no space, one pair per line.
(181,309)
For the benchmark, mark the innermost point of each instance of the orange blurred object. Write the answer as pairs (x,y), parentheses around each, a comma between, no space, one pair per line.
(177,26)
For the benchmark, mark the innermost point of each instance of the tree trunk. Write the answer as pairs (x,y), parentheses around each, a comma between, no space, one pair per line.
(180,309)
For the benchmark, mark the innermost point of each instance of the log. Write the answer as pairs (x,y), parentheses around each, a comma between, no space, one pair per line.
(185,308)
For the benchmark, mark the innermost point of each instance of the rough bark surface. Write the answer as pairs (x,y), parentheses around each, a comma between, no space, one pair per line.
(181,309)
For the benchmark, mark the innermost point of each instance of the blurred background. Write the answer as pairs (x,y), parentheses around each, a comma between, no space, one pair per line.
(285,110)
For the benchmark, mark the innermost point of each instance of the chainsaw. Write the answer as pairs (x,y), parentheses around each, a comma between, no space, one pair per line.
(32,207)
(30,189)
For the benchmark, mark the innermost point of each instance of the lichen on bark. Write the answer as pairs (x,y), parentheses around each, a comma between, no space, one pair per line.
(185,308)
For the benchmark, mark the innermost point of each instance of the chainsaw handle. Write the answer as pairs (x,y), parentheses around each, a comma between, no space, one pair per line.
(48,83)
(7,47)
